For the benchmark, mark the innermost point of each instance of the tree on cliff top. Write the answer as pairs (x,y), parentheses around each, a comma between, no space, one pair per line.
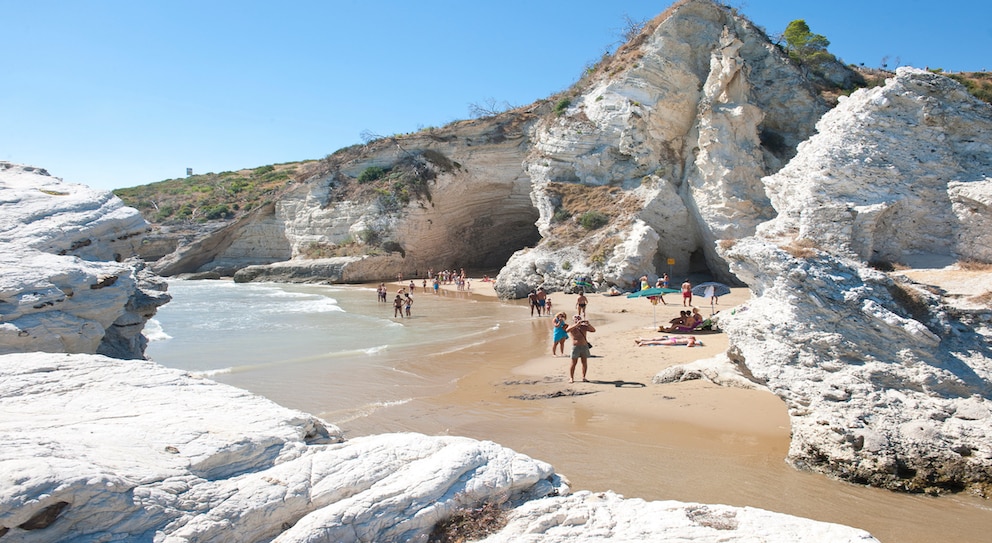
(804,46)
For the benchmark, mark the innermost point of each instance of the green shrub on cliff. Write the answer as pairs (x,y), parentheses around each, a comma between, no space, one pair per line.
(370,174)
(591,220)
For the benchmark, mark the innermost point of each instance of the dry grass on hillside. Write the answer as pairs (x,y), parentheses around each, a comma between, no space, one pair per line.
(577,201)
(801,248)
(974,265)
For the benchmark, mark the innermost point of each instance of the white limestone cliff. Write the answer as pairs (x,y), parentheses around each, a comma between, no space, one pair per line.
(692,114)
(97,449)
(680,125)
(67,285)
(895,170)
(887,383)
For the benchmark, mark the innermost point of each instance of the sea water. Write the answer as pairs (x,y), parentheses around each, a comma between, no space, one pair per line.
(334,351)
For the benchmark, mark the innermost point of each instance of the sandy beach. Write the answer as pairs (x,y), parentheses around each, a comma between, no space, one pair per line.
(620,371)
(690,441)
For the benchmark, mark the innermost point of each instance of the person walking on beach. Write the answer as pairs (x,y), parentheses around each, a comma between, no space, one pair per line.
(687,294)
(560,324)
(542,297)
(580,346)
(532,300)
(580,304)
(398,306)
(409,302)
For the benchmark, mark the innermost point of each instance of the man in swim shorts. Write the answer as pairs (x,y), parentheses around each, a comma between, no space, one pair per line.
(687,294)
(580,346)
(542,297)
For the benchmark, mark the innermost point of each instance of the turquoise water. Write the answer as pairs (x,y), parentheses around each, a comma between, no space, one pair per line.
(334,351)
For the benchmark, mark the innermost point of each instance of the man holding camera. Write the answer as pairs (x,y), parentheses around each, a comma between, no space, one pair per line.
(580,346)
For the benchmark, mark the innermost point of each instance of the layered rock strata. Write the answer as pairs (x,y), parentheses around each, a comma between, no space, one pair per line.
(67,284)
(686,118)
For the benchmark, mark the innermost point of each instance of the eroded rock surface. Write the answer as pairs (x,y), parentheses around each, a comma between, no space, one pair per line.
(67,284)
(886,382)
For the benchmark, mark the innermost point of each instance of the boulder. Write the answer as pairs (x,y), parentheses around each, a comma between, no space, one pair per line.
(70,282)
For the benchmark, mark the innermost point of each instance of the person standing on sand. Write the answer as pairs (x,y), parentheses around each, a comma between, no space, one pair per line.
(580,346)
(398,306)
(687,294)
(560,324)
(580,304)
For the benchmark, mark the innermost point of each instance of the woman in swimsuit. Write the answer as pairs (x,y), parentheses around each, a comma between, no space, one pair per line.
(560,324)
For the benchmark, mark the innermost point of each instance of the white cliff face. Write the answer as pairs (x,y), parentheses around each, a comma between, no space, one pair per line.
(101,449)
(698,110)
(894,170)
(886,383)
(476,209)
(63,286)
(879,389)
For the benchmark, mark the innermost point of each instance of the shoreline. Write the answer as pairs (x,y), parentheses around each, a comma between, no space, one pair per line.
(689,441)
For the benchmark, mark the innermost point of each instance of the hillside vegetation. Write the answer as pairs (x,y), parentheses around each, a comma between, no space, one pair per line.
(210,196)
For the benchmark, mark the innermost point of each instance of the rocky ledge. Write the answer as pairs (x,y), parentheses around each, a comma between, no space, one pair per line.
(98,449)
(69,283)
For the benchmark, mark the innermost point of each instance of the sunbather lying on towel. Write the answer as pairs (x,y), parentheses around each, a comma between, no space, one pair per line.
(688,341)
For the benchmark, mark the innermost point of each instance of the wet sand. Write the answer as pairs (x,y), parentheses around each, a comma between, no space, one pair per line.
(690,441)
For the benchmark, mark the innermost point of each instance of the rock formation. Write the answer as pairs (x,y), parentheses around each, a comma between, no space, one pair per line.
(886,382)
(667,139)
(67,284)
(97,449)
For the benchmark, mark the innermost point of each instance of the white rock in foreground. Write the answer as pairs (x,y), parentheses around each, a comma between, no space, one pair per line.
(98,449)
(66,284)
(586,516)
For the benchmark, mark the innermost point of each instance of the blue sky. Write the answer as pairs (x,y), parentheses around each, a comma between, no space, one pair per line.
(115,93)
